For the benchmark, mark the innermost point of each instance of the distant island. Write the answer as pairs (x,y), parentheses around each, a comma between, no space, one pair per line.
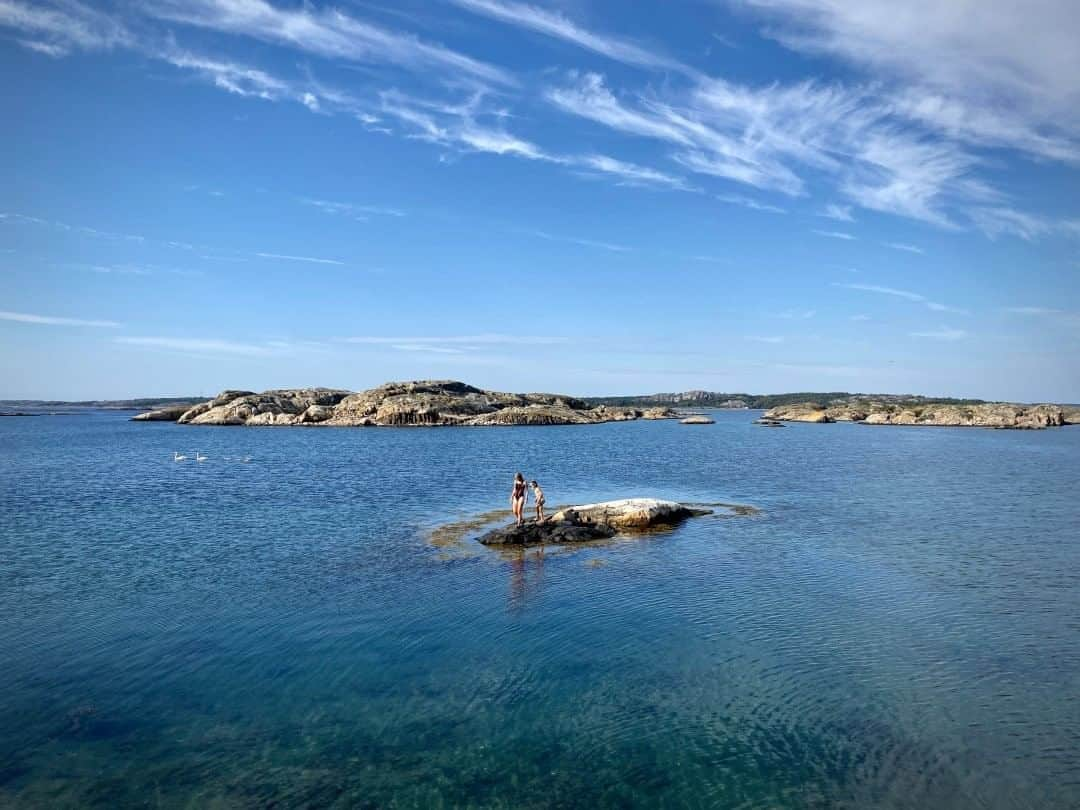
(449,402)
(396,404)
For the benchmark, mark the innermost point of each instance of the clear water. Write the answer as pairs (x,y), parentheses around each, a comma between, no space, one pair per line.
(900,627)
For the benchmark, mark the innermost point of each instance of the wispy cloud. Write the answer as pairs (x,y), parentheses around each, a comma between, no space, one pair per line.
(1000,221)
(905,294)
(905,247)
(945,333)
(68,25)
(288,258)
(593,243)
(797,314)
(841,213)
(835,234)
(360,212)
(425,348)
(485,339)
(765,338)
(553,24)
(23,219)
(750,202)
(860,318)
(910,296)
(52,320)
(969,77)
(325,32)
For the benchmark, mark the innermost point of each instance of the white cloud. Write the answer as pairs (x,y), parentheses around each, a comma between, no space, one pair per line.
(53,49)
(945,333)
(860,318)
(997,72)
(357,211)
(765,339)
(910,296)
(835,234)
(488,339)
(287,258)
(995,222)
(905,294)
(51,320)
(628,173)
(750,202)
(797,314)
(584,242)
(328,33)
(60,27)
(841,213)
(904,246)
(553,24)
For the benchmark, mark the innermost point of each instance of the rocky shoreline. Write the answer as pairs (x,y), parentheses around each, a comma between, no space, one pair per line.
(595,521)
(1001,415)
(397,404)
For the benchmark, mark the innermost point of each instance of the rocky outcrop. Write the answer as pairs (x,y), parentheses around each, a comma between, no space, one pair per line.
(399,404)
(991,414)
(631,513)
(551,531)
(595,521)
(167,414)
(697,420)
(804,412)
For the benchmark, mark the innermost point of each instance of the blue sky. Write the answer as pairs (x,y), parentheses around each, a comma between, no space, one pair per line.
(587,196)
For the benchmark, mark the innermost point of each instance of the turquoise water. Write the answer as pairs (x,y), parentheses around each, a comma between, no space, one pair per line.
(900,627)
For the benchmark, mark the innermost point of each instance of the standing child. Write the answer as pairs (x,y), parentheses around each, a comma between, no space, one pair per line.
(538,496)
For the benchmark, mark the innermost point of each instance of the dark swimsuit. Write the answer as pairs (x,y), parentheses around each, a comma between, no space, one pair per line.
(519,490)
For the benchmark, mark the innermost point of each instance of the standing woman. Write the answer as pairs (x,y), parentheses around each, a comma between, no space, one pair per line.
(517,498)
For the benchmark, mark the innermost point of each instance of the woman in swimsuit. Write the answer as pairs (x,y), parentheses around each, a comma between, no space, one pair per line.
(538,497)
(517,498)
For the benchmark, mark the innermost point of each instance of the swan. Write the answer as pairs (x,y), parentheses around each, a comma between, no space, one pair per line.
(199,457)
(177,457)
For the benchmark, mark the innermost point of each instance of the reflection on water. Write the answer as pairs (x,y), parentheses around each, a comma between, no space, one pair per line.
(897,627)
(526,575)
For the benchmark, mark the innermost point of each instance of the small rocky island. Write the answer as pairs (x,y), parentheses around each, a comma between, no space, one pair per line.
(595,521)
(427,402)
(870,412)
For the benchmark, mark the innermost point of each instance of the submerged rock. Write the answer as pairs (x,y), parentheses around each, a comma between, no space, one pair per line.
(420,403)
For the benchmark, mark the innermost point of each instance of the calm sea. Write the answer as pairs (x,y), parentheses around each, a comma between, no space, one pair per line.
(899,627)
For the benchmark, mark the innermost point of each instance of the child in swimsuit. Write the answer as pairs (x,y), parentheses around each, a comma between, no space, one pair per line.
(538,496)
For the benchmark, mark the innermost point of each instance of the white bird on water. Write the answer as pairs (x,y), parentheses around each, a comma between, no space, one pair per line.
(177,457)
(199,457)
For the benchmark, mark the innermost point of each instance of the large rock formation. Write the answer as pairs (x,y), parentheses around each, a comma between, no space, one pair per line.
(697,420)
(398,404)
(595,521)
(631,513)
(991,414)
